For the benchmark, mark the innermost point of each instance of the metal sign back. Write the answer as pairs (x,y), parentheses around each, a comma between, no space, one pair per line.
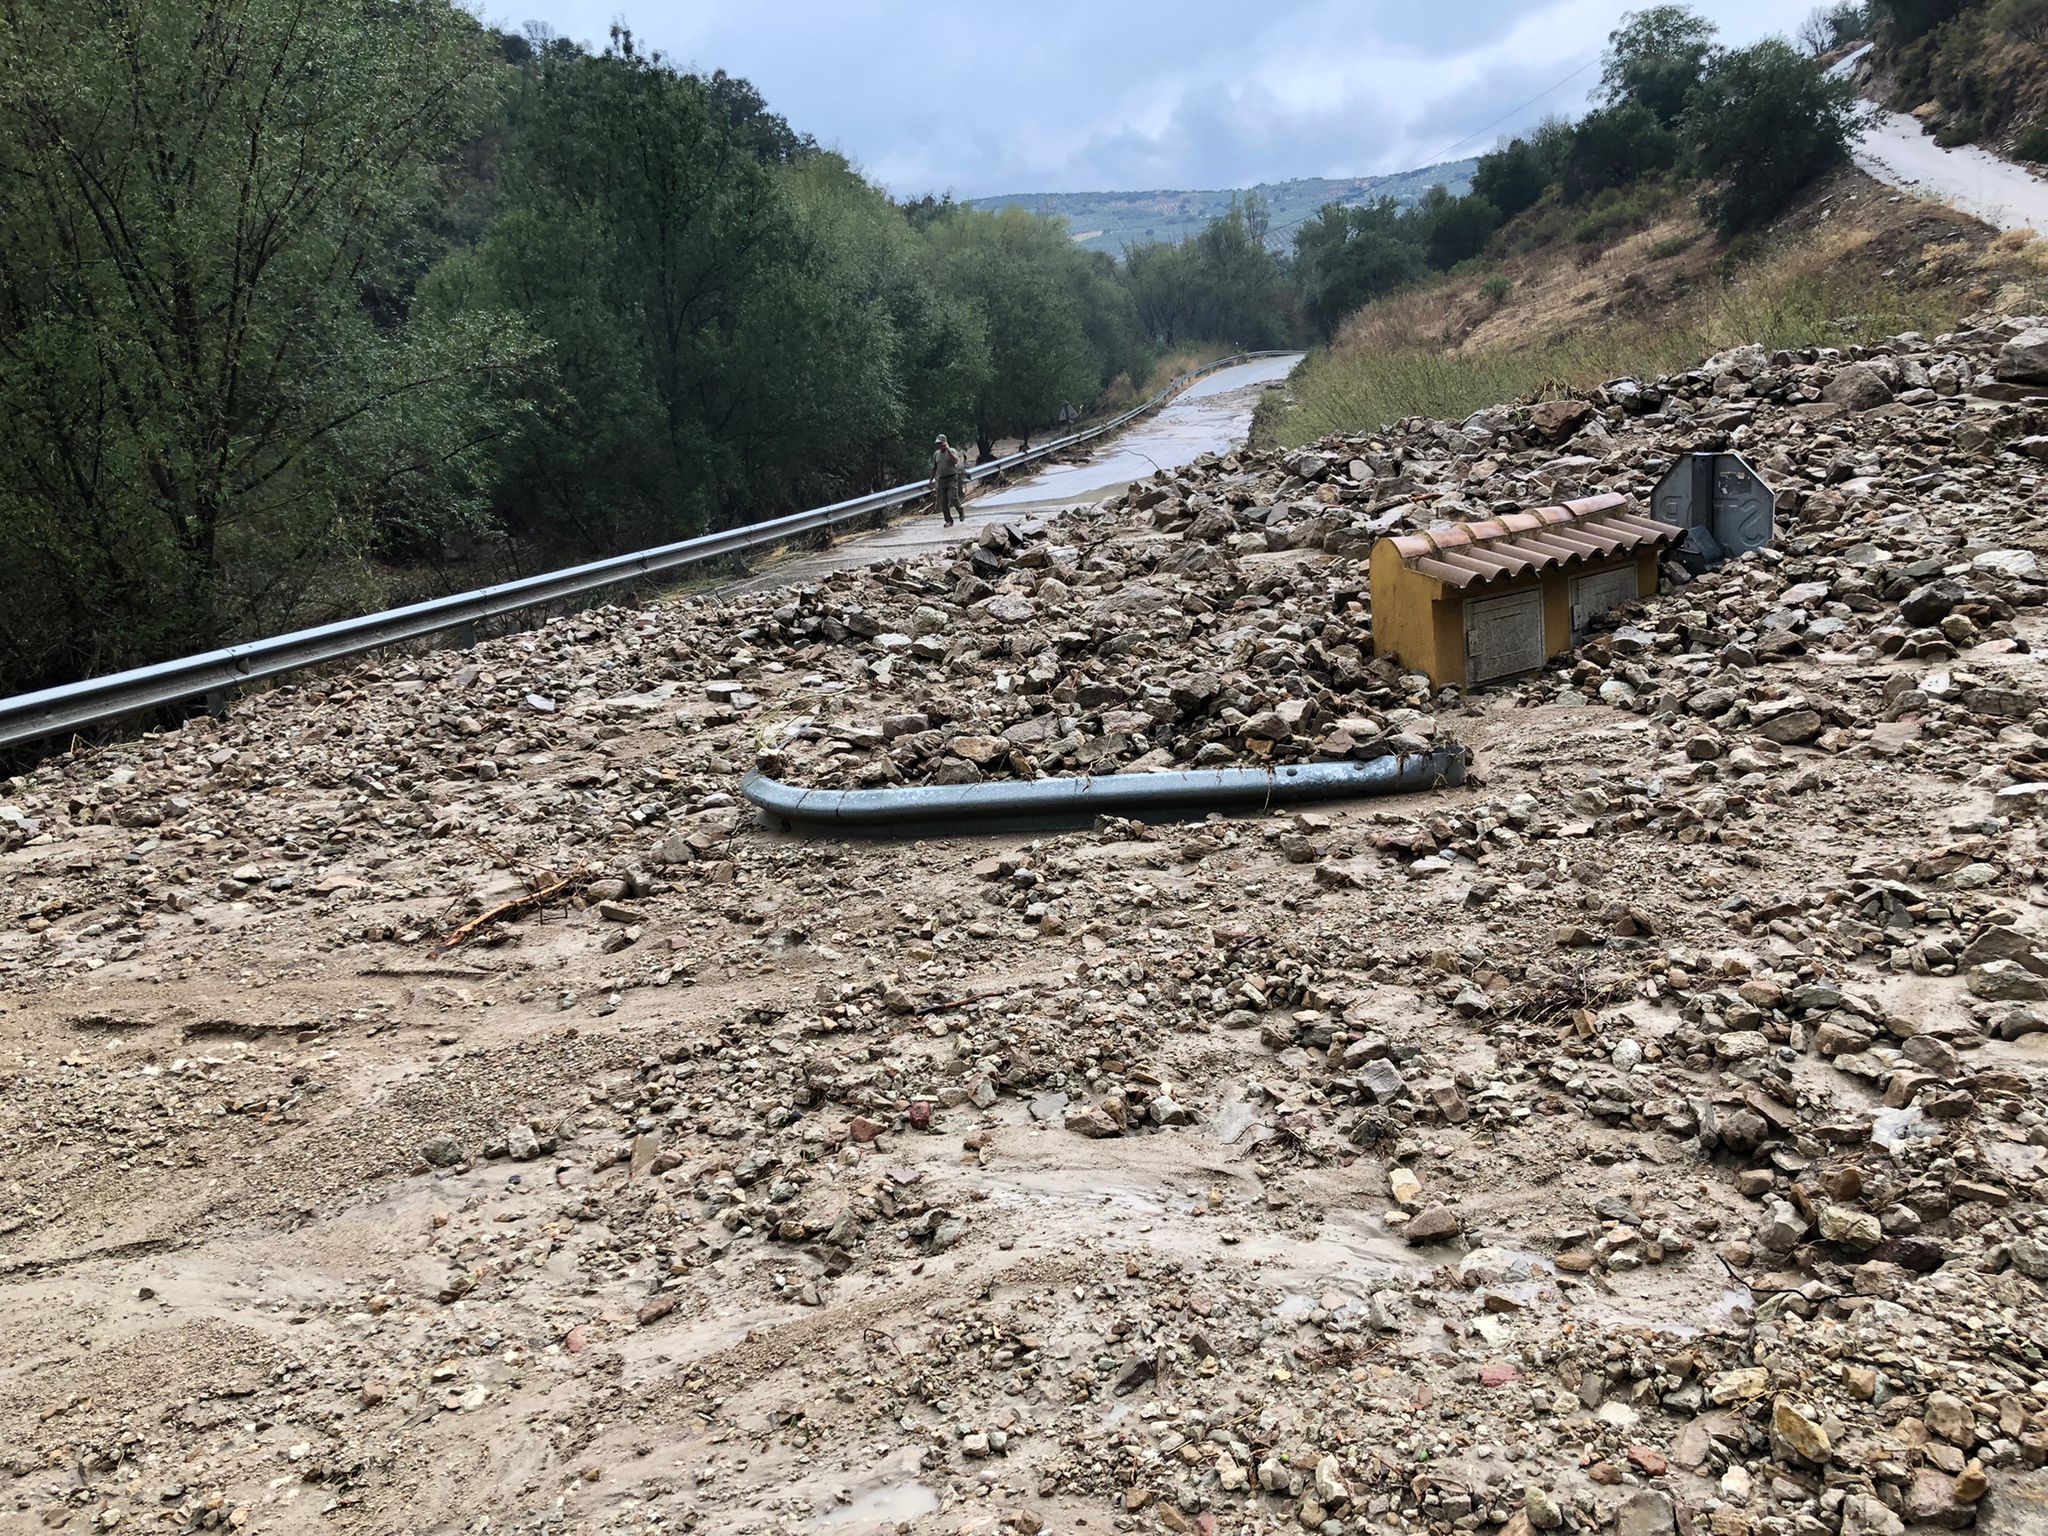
(1722,502)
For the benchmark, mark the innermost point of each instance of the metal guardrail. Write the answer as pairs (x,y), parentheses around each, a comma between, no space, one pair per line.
(96,700)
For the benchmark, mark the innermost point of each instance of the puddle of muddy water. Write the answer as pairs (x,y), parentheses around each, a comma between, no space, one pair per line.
(887,1497)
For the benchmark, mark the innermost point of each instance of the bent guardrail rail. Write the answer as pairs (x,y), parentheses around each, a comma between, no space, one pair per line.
(94,701)
(1004,805)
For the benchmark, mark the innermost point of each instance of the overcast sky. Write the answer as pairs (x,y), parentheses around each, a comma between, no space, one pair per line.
(1095,95)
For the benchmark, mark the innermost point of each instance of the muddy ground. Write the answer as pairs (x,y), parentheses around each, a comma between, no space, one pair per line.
(1350,1169)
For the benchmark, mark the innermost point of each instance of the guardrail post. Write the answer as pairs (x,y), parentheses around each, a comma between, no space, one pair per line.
(465,635)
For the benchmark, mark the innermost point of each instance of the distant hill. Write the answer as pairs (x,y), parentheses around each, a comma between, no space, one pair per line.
(1114,221)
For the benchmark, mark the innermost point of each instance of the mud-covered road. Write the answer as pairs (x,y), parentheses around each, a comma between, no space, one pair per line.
(1647,1138)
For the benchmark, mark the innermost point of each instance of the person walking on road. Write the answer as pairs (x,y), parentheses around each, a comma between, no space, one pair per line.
(947,463)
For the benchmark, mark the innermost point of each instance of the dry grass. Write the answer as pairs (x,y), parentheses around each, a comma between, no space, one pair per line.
(1178,362)
(1439,352)
(2017,251)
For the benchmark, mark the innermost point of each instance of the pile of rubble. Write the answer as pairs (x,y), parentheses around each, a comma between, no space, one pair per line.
(1649,1136)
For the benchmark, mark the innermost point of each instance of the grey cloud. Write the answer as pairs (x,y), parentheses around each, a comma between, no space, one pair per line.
(1069,95)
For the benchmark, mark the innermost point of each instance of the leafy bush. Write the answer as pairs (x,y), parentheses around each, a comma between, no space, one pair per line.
(1545,226)
(2024,19)
(1672,245)
(1835,26)
(1765,122)
(1620,212)
(1512,178)
(1966,128)
(1956,69)
(2033,144)
(1617,146)
(1901,21)
(1496,288)
(1456,229)
(1400,357)
(1347,257)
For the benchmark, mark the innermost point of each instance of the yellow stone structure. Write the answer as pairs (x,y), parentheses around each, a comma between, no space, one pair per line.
(1467,603)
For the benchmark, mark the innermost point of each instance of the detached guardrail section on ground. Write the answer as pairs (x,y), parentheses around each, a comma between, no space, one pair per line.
(96,700)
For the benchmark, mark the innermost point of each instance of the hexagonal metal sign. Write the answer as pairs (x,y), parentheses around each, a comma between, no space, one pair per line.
(1723,504)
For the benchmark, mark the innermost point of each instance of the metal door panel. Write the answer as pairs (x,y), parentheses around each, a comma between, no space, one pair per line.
(1597,594)
(1503,636)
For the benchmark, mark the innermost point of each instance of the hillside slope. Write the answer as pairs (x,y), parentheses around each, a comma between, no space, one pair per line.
(1852,261)
(1115,221)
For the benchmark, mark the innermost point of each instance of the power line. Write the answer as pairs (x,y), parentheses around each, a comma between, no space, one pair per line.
(1445,154)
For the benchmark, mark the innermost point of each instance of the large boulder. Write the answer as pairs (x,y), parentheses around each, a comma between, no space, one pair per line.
(1556,420)
(2024,359)
(1858,387)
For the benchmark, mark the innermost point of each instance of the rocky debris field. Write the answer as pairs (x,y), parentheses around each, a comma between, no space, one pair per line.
(1646,1137)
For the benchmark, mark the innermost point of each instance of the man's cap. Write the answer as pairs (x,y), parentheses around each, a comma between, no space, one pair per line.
(938,440)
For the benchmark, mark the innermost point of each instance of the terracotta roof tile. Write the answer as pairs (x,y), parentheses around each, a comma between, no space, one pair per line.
(1519,542)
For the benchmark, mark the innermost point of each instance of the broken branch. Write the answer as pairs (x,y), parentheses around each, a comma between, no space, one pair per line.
(518,906)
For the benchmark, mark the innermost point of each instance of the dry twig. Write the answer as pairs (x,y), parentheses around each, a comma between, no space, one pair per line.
(518,906)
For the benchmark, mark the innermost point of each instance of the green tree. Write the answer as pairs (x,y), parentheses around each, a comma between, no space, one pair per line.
(214,399)
(1455,229)
(1161,278)
(933,347)
(719,344)
(1655,58)
(1764,124)
(1240,293)
(1831,27)
(1902,21)
(2024,19)
(1346,257)
(1512,178)
(1016,272)
(1616,146)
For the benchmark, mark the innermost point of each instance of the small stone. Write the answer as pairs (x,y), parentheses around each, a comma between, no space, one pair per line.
(1858,387)
(1850,1227)
(2024,359)
(1865,1514)
(1972,1483)
(2006,981)
(1931,1499)
(1541,1508)
(1331,1489)
(1093,1123)
(1432,1224)
(1795,1436)
(1949,1417)
(1646,1512)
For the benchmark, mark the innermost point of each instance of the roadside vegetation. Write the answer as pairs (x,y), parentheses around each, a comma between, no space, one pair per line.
(1681,118)
(1439,352)
(306,310)
(1974,71)
(1644,236)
